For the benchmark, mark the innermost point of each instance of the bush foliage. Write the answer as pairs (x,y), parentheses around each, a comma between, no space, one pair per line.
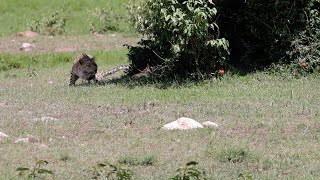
(182,38)
(190,38)
(103,20)
(264,32)
(50,24)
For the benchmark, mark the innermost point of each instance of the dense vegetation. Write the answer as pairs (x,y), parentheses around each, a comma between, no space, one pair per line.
(190,38)
(263,32)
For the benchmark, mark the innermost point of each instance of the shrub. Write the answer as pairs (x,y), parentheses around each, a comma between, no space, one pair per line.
(265,32)
(305,47)
(182,38)
(8,64)
(109,171)
(103,20)
(189,171)
(52,24)
(37,171)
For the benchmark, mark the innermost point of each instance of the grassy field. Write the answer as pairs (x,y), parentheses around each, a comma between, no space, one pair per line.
(268,125)
(16,13)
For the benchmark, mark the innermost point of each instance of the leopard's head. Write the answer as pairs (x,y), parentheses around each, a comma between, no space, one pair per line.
(87,66)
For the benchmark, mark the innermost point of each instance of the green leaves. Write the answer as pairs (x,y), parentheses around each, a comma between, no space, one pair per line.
(42,163)
(45,171)
(50,24)
(22,169)
(192,163)
(190,171)
(103,20)
(184,33)
(109,171)
(36,170)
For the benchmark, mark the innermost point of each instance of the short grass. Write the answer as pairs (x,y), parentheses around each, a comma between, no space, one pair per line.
(27,61)
(269,127)
(15,14)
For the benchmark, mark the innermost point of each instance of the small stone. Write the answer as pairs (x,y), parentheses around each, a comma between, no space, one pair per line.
(27,140)
(210,124)
(26,47)
(3,104)
(183,123)
(3,135)
(45,119)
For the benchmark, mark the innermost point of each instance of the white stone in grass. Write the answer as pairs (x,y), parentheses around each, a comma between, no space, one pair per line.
(26,47)
(43,146)
(27,140)
(210,124)
(3,135)
(183,123)
(45,119)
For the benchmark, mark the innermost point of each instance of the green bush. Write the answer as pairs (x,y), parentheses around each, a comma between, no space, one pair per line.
(108,171)
(190,38)
(190,171)
(265,32)
(103,20)
(181,38)
(305,47)
(37,171)
(52,24)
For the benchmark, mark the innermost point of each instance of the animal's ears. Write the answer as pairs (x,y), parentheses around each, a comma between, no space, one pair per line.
(83,55)
(91,57)
(81,61)
(87,56)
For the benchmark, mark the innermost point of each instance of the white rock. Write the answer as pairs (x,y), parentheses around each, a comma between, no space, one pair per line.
(43,146)
(183,123)
(45,119)
(26,140)
(3,135)
(210,124)
(26,47)
(3,104)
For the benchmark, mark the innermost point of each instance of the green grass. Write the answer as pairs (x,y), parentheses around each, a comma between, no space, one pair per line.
(10,61)
(15,14)
(268,125)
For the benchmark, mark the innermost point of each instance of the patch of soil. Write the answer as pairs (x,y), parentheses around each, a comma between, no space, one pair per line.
(45,44)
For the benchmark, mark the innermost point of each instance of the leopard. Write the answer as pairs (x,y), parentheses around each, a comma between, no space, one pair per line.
(84,67)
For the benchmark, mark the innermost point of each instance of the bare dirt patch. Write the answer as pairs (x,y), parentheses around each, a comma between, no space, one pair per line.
(45,44)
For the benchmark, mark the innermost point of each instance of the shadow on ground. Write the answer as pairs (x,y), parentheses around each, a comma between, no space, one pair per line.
(132,83)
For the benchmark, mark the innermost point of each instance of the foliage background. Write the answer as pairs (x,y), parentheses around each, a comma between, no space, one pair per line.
(260,33)
(265,32)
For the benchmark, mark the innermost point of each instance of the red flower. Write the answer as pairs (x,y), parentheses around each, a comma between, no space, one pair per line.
(303,65)
(221,72)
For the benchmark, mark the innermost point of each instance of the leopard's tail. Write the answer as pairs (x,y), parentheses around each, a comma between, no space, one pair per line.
(101,75)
